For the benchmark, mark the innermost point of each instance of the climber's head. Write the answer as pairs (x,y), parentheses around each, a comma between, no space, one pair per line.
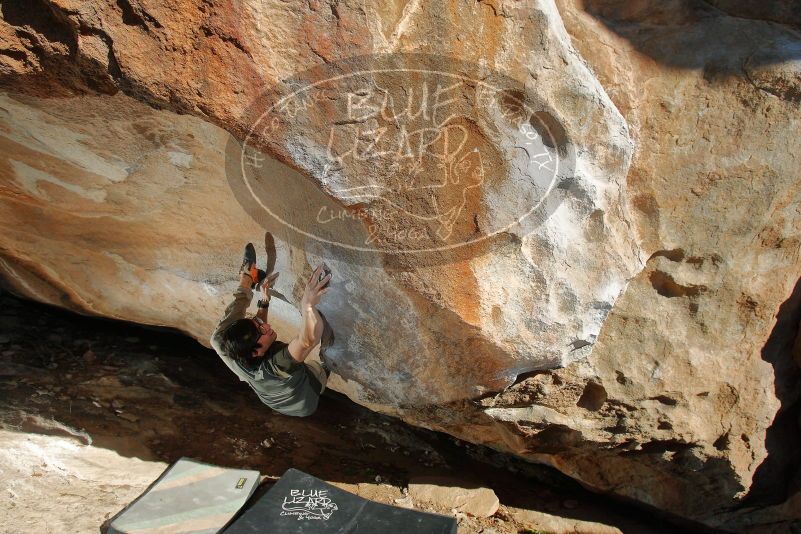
(266,338)
(246,340)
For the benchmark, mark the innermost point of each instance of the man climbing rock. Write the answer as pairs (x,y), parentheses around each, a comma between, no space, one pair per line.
(275,370)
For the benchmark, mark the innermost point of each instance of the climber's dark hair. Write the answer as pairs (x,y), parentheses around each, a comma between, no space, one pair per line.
(238,342)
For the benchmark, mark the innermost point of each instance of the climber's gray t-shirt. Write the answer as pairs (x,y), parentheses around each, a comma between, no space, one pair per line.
(281,382)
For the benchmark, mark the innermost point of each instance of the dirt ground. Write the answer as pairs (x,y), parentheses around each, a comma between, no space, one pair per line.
(92,411)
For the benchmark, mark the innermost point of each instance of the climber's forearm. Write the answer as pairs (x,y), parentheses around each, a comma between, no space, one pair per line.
(312,329)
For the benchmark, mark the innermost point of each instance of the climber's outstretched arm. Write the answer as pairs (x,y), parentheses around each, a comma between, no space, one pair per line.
(312,329)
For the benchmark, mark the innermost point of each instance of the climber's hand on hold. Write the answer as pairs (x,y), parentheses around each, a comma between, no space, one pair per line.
(267,285)
(316,287)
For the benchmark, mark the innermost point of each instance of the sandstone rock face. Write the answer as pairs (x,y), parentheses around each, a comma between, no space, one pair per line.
(89,483)
(636,331)
(560,525)
(449,493)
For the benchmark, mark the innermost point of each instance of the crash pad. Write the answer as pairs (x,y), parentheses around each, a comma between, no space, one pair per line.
(189,497)
(302,504)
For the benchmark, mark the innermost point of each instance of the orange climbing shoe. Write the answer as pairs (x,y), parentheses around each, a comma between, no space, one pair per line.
(249,266)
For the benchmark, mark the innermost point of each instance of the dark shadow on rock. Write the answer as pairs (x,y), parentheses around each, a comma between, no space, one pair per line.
(773,477)
(718,36)
(269,249)
(780,11)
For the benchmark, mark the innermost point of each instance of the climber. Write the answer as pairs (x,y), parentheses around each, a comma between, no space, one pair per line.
(275,370)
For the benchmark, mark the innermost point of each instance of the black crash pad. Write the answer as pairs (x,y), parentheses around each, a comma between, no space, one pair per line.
(302,504)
